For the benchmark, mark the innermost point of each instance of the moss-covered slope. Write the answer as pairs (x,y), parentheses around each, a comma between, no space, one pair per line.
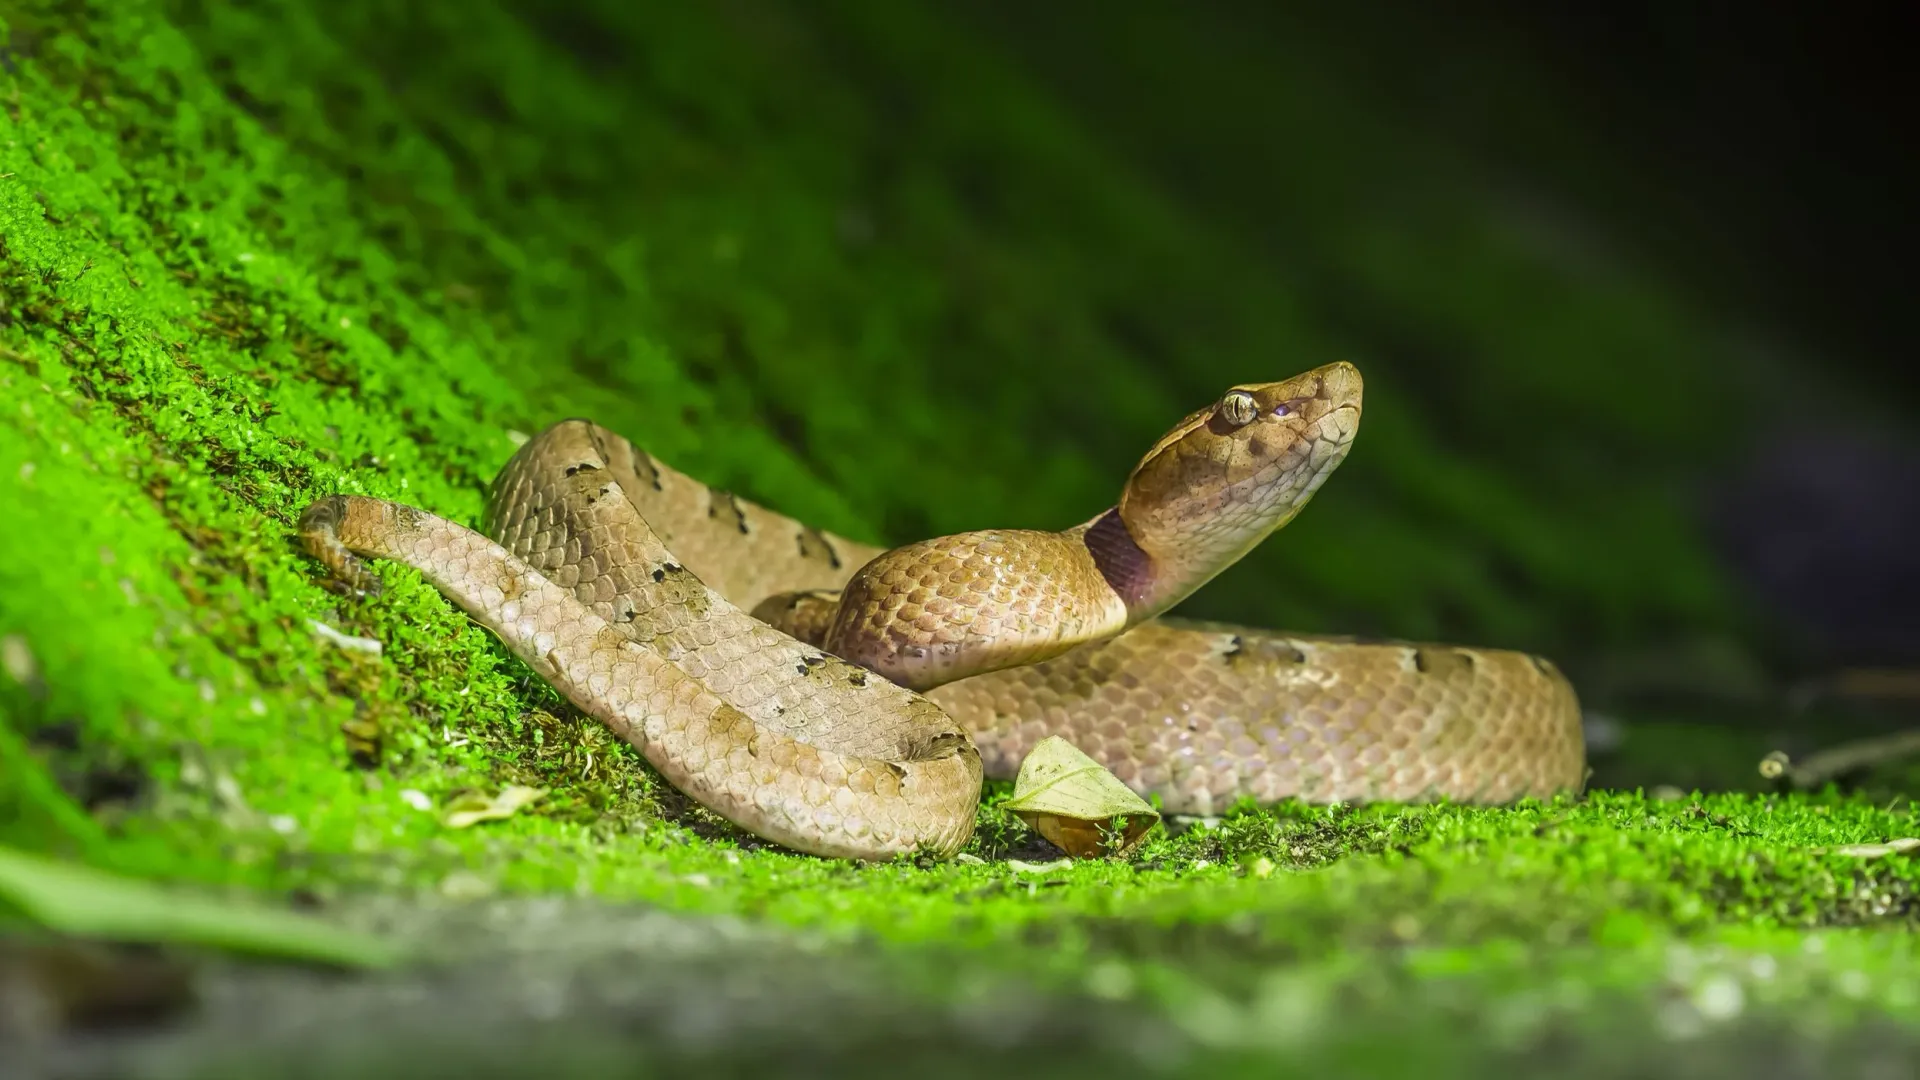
(849,260)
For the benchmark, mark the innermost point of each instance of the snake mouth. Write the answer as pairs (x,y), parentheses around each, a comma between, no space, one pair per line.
(1350,411)
(1335,429)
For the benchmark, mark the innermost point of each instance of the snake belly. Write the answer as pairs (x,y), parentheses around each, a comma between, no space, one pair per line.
(628,585)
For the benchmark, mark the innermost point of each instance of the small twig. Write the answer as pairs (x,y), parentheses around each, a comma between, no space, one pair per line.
(1826,764)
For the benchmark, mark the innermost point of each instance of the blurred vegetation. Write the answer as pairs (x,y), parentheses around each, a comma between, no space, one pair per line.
(858,262)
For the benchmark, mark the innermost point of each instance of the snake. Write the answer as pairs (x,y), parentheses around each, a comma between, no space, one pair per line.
(847,701)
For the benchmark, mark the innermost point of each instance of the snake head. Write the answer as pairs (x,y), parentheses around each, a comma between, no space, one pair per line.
(1230,474)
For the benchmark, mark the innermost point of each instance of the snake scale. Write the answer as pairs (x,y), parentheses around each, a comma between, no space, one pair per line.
(845,700)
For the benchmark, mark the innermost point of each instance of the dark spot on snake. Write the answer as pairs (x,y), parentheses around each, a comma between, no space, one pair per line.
(1262,650)
(858,678)
(813,543)
(897,770)
(725,506)
(1127,568)
(585,466)
(941,745)
(644,466)
(659,574)
(1442,662)
(1257,448)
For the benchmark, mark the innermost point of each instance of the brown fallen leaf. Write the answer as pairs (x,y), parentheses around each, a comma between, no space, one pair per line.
(1081,808)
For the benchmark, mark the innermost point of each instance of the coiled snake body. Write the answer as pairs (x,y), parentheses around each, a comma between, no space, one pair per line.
(844,700)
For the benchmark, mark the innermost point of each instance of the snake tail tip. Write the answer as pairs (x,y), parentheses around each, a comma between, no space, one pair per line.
(320,534)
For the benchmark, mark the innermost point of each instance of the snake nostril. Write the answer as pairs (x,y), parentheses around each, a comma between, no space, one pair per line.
(1292,407)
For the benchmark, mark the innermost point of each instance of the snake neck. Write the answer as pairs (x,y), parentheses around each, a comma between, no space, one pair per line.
(1142,582)
(1149,583)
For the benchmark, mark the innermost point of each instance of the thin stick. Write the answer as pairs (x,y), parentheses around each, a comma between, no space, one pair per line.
(1826,764)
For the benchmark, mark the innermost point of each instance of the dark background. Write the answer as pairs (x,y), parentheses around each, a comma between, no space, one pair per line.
(1762,149)
(1758,155)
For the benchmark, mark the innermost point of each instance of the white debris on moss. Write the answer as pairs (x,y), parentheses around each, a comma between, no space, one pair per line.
(344,641)
(16,659)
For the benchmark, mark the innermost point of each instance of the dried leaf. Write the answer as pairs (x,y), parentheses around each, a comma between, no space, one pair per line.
(474,808)
(1083,809)
(1019,867)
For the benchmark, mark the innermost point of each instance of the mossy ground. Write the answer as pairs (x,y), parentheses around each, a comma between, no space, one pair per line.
(846,260)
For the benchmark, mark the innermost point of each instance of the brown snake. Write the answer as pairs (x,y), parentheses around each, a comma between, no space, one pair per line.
(664,609)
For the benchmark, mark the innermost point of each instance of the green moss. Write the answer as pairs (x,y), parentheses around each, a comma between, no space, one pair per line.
(254,254)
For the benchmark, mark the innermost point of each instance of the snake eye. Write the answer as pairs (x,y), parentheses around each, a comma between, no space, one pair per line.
(1237,408)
